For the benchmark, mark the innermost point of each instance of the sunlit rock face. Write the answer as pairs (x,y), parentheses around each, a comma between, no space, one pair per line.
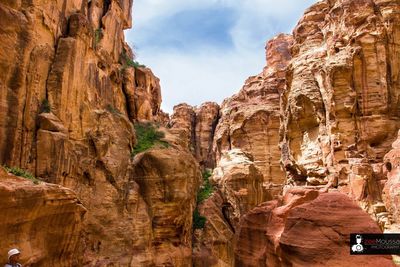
(196,126)
(391,196)
(294,153)
(250,120)
(70,93)
(325,110)
(340,106)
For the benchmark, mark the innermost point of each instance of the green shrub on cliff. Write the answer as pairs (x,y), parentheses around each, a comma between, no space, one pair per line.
(128,62)
(148,136)
(198,221)
(45,106)
(98,35)
(205,191)
(22,173)
(206,188)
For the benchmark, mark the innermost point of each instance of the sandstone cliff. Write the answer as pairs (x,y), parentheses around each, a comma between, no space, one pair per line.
(70,92)
(306,229)
(296,152)
(250,119)
(196,127)
(43,220)
(328,98)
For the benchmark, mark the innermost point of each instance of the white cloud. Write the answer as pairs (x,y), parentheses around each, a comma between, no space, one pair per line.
(207,73)
(206,76)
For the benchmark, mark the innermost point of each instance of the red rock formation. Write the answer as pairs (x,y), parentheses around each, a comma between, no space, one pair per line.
(250,119)
(339,106)
(182,124)
(391,191)
(239,188)
(44,221)
(307,230)
(168,181)
(214,245)
(69,92)
(196,126)
(143,94)
(207,116)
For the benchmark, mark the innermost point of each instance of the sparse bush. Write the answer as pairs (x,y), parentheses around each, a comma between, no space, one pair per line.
(205,192)
(98,34)
(198,221)
(148,136)
(206,188)
(127,62)
(22,173)
(45,106)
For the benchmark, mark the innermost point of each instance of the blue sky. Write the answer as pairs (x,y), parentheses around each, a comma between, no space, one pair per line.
(205,50)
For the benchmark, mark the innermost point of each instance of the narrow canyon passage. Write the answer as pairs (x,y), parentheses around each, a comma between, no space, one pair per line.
(94,173)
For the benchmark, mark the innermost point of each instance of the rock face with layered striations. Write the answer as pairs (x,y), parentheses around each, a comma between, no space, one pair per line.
(240,182)
(207,116)
(167,180)
(305,229)
(250,119)
(44,221)
(329,97)
(214,245)
(391,189)
(340,106)
(323,113)
(196,127)
(70,58)
(238,189)
(69,95)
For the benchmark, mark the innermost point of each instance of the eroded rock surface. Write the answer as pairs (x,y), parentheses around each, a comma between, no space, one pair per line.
(43,220)
(196,127)
(240,182)
(340,112)
(250,119)
(391,189)
(322,114)
(70,92)
(168,180)
(214,245)
(305,229)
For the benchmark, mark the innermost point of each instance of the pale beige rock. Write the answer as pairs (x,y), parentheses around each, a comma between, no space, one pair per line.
(240,182)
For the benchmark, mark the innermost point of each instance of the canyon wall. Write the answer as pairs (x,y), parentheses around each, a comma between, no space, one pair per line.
(313,134)
(196,127)
(340,106)
(43,220)
(321,116)
(70,94)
